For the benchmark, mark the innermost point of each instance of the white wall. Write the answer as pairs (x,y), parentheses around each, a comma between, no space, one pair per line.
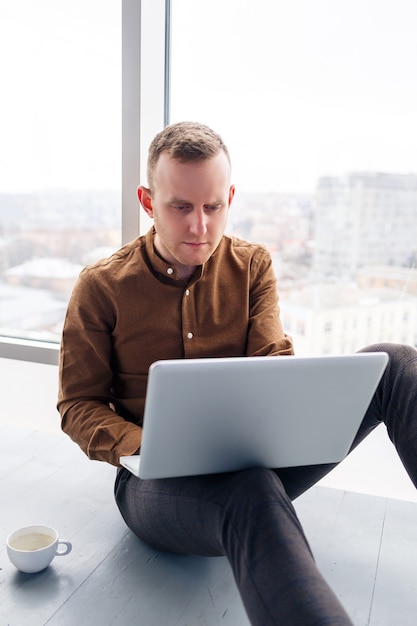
(29,393)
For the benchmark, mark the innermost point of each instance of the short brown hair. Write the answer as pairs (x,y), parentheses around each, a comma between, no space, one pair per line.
(185,142)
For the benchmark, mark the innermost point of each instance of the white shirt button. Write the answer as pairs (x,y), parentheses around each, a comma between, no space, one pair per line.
(170,271)
(190,335)
(187,292)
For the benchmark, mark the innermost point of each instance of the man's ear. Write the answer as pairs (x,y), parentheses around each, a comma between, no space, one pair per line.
(231,194)
(144,195)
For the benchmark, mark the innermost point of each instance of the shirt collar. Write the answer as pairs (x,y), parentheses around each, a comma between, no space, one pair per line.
(165,271)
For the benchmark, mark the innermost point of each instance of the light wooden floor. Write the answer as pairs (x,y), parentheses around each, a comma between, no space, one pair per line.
(365,546)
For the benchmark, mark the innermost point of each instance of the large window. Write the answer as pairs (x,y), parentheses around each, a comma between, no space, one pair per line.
(317,102)
(60,154)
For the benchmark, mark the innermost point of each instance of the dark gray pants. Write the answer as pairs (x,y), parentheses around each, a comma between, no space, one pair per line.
(248,515)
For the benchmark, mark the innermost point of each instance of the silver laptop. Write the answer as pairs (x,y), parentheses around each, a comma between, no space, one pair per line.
(205,416)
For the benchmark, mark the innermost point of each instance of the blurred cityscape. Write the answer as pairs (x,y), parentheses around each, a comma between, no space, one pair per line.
(345,257)
(45,240)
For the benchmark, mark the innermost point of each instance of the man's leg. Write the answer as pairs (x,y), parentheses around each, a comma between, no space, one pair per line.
(248,517)
(395,404)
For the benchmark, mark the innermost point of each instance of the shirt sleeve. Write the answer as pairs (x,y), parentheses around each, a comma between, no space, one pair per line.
(85,377)
(266,336)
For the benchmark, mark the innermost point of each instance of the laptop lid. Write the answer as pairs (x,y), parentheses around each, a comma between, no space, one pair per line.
(206,416)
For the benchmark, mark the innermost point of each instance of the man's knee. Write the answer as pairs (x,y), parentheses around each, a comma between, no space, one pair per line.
(394,350)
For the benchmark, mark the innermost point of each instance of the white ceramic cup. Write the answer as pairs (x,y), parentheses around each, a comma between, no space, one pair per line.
(32,548)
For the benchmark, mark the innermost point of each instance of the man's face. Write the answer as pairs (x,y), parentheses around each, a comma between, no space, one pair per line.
(189,206)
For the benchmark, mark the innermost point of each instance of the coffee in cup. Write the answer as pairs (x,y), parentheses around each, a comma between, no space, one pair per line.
(31,549)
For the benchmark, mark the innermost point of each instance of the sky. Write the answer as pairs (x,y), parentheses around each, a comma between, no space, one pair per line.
(60,112)
(301,89)
(298,89)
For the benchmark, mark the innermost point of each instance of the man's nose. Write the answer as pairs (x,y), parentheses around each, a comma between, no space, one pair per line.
(198,222)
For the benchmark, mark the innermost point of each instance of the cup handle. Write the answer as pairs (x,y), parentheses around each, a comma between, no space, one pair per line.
(67,549)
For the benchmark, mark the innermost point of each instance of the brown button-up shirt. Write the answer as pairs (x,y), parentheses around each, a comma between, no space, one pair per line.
(130,310)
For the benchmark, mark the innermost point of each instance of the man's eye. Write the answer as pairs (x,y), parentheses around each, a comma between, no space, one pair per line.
(182,208)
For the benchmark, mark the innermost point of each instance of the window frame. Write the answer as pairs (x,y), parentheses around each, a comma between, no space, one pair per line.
(145,90)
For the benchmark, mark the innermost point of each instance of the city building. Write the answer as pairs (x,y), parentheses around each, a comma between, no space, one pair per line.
(341,319)
(365,219)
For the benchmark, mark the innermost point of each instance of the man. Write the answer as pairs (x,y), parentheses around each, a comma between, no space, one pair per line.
(185,290)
